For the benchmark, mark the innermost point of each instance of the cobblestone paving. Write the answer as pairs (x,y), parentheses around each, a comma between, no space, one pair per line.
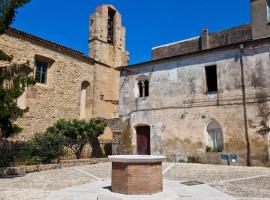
(37,186)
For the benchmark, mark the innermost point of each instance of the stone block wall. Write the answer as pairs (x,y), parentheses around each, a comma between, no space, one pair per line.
(60,97)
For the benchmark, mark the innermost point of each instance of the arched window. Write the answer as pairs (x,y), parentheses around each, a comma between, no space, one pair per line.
(214,136)
(85,101)
(143,88)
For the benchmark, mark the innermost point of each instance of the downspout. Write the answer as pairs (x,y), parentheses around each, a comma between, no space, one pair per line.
(244,105)
(94,90)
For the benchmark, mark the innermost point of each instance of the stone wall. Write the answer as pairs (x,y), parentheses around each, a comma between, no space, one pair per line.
(60,97)
(179,108)
(106,92)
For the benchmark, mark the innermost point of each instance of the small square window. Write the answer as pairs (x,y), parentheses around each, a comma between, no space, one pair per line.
(41,71)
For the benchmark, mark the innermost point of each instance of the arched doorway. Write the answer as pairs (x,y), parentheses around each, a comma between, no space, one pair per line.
(143,140)
(214,137)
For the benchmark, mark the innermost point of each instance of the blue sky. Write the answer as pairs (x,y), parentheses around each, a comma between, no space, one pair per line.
(149,23)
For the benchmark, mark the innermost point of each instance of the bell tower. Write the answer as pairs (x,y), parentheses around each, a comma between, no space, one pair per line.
(107,37)
(260,18)
(107,45)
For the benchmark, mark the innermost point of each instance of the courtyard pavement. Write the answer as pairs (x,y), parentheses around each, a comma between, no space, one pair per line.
(92,182)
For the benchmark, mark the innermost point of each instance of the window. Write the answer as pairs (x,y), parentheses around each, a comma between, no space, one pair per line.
(211,78)
(41,71)
(111,14)
(143,88)
(268,11)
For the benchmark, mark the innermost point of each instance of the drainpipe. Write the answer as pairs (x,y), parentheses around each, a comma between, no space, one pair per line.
(94,92)
(244,104)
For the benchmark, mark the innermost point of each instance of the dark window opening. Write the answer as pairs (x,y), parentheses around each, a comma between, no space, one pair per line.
(41,72)
(146,88)
(211,78)
(111,14)
(143,88)
(140,88)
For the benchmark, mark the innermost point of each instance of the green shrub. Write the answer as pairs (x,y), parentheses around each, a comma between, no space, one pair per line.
(6,156)
(210,149)
(48,147)
(77,133)
(16,153)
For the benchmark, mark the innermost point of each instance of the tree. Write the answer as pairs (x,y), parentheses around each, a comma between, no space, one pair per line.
(77,133)
(8,10)
(13,78)
(13,81)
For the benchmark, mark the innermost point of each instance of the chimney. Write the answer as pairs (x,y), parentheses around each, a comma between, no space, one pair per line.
(260,19)
(205,39)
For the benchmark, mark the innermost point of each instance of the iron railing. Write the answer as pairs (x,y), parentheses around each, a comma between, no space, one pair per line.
(24,153)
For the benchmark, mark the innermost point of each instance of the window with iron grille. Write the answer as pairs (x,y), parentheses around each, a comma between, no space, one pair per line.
(41,71)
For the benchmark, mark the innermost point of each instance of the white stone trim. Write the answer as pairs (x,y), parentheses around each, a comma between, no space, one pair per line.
(137,158)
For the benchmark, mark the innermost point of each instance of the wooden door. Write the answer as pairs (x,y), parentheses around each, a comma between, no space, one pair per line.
(143,140)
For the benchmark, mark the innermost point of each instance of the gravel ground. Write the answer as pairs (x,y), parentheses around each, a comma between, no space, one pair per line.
(223,178)
(37,186)
(212,173)
(247,189)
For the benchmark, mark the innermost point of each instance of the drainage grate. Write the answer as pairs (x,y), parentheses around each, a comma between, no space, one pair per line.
(192,183)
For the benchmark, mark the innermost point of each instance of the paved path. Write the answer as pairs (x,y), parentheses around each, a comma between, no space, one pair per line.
(172,191)
(239,182)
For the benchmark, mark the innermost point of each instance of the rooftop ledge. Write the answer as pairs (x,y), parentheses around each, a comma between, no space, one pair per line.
(137,158)
(177,42)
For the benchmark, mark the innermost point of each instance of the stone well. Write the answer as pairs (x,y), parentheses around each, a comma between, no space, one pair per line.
(137,174)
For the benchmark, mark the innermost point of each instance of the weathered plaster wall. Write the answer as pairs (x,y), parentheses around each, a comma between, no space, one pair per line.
(178,108)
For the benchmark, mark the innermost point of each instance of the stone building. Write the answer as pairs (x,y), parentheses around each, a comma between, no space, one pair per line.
(202,95)
(70,85)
